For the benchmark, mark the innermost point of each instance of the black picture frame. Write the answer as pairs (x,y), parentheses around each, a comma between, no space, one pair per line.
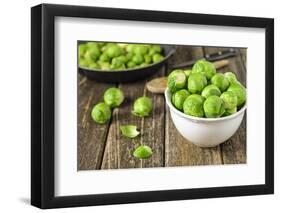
(43,117)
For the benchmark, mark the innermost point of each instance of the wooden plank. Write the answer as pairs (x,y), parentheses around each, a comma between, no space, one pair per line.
(234,150)
(179,151)
(118,151)
(91,136)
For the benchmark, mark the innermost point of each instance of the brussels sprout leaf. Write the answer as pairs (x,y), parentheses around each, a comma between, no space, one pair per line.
(129,131)
(143,152)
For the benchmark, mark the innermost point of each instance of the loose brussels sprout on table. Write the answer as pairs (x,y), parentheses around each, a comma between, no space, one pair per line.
(101,113)
(142,106)
(118,56)
(201,92)
(113,97)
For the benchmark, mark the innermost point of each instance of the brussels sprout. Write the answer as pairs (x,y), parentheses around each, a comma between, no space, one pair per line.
(196,82)
(117,64)
(220,81)
(187,72)
(230,111)
(138,59)
(129,56)
(130,48)
(83,62)
(129,131)
(82,49)
(92,54)
(154,49)
(142,106)
(240,91)
(229,99)
(140,49)
(143,64)
(193,105)
(104,65)
(101,113)
(142,152)
(210,90)
(94,65)
(104,58)
(179,97)
(131,64)
(176,80)
(147,59)
(113,97)
(205,67)
(113,50)
(213,107)
(157,57)
(231,77)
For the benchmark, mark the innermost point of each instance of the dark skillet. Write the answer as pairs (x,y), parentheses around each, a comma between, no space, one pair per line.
(128,75)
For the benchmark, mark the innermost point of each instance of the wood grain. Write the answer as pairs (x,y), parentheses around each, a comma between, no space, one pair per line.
(91,136)
(179,151)
(118,151)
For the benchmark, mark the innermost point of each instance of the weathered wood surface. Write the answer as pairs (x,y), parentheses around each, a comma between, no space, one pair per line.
(103,146)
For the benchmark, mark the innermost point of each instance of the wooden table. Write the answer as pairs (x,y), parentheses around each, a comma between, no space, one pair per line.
(103,146)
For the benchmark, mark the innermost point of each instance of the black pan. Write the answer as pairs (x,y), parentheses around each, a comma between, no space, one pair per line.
(128,75)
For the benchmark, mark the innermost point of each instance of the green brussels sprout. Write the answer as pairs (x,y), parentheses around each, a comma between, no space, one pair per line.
(213,107)
(229,99)
(240,91)
(104,65)
(142,152)
(83,62)
(82,49)
(140,49)
(104,58)
(230,111)
(220,81)
(113,97)
(92,54)
(210,90)
(101,113)
(155,48)
(157,57)
(130,48)
(231,77)
(193,105)
(94,65)
(176,80)
(147,59)
(196,82)
(137,59)
(187,72)
(117,64)
(142,106)
(130,131)
(205,67)
(113,50)
(131,64)
(143,64)
(179,97)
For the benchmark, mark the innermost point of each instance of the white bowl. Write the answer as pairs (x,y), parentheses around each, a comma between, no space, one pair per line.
(204,132)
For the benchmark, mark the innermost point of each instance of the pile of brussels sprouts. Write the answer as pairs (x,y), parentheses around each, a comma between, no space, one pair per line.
(117,56)
(202,92)
(142,107)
